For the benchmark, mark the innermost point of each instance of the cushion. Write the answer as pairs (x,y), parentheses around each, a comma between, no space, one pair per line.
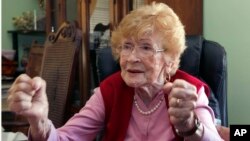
(190,59)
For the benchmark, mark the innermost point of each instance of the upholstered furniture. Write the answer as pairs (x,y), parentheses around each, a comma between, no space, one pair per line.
(209,63)
(203,58)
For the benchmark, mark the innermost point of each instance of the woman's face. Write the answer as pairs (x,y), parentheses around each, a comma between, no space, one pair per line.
(142,63)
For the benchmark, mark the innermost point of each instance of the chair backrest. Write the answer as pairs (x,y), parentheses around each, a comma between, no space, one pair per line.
(204,59)
(214,71)
(59,65)
(34,65)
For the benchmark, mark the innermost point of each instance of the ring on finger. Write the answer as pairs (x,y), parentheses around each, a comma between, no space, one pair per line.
(178,101)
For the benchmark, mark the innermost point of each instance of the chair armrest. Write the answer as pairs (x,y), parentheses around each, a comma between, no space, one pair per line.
(224,132)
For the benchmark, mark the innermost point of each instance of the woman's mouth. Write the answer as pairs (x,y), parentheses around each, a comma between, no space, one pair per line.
(134,71)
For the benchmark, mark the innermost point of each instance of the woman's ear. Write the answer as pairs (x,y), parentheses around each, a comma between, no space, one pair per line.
(168,69)
(169,66)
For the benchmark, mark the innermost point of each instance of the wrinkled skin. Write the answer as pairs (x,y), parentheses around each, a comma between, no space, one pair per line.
(27,97)
(148,76)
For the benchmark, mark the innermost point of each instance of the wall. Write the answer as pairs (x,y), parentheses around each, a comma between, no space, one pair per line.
(13,8)
(228,22)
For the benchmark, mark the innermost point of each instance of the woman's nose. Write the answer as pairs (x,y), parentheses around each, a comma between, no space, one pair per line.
(133,56)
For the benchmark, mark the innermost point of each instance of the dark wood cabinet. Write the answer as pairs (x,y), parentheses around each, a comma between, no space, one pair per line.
(118,9)
(55,14)
(190,13)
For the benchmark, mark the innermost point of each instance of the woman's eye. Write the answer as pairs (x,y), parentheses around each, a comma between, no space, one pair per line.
(146,48)
(127,46)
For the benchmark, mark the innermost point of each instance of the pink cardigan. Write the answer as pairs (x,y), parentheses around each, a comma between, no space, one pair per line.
(91,119)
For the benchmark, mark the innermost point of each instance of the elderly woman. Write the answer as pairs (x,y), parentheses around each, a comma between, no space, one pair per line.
(148,100)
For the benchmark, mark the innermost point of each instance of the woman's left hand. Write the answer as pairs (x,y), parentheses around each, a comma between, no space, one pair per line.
(182,97)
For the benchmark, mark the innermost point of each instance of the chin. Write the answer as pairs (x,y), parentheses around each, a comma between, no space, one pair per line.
(134,82)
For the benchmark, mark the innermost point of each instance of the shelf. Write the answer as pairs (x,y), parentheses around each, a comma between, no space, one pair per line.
(15,34)
(26,31)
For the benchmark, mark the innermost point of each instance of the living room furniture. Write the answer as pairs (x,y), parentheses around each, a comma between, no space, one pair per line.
(34,64)
(59,68)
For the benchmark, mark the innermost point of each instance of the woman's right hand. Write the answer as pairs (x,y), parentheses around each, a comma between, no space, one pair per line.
(27,97)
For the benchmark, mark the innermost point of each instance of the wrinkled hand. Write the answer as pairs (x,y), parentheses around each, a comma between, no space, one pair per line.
(182,97)
(27,97)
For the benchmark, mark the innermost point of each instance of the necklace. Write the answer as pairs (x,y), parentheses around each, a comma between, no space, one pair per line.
(149,111)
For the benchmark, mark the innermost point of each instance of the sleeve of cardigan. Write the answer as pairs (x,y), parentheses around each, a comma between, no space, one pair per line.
(84,125)
(206,117)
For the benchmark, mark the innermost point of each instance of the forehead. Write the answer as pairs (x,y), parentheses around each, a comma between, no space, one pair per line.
(152,39)
(141,40)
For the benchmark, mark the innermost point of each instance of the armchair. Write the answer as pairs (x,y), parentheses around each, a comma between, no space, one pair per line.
(203,58)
